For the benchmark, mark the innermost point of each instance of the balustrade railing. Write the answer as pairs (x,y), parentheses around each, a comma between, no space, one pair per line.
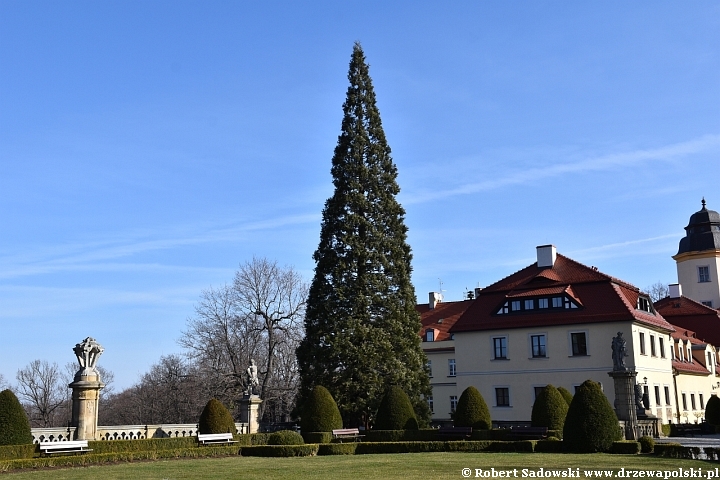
(126,432)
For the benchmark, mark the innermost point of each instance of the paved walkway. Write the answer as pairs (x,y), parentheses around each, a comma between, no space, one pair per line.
(696,441)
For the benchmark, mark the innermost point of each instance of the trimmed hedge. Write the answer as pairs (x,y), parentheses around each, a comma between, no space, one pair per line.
(307,450)
(317,437)
(144,445)
(425,435)
(215,418)
(591,424)
(625,447)
(450,446)
(549,409)
(285,437)
(675,450)
(646,444)
(14,424)
(320,412)
(337,449)
(107,458)
(549,446)
(566,395)
(666,429)
(395,411)
(14,452)
(472,411)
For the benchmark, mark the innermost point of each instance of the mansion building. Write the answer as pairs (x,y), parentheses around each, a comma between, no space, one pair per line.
(553,323)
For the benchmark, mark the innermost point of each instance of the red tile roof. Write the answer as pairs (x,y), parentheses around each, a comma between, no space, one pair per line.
(601,297)
(449,313)
(686,314)
(692,368)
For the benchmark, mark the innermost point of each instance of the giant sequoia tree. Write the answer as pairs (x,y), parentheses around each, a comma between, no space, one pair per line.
(361,326)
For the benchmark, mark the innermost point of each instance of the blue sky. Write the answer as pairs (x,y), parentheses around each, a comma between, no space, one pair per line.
(148,148)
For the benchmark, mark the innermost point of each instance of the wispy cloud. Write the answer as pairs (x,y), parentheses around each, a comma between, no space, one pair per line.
(98,255)
(667,153)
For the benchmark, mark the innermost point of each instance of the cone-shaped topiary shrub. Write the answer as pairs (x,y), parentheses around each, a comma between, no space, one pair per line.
(591,424)
(396,411)
(712,410)
(320,413)
(566,395)
(215,418)
(549,409)
(285,437)
(14,425)
(472,411)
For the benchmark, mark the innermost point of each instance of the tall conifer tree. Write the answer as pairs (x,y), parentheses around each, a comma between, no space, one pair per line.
(361,326)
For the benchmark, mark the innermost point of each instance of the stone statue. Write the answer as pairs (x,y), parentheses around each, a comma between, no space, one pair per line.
(619,352)
(251,378)
(639,397)
(646,401)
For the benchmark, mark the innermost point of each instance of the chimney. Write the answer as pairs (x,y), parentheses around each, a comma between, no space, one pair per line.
(675,290)
(435,298)
(546,255)
(477,291)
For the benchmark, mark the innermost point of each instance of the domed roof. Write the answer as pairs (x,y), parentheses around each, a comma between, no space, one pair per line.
(703,231)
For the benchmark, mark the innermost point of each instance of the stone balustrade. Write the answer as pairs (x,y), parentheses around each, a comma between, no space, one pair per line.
(126,432)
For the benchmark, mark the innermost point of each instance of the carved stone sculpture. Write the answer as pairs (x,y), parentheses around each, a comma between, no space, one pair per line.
(251,378)
(619,352)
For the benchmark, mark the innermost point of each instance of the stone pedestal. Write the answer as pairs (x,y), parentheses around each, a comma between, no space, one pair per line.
(85,397)
(625,401)
(249,410)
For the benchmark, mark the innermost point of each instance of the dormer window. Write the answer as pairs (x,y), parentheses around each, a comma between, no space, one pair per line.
(532,304)
(644,304)
(430,335)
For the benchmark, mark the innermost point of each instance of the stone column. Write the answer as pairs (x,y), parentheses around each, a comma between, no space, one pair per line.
(249,412)
(625,400)
(86,390)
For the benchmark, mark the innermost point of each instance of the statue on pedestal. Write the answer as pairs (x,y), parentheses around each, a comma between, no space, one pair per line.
(619,352)
(251,378)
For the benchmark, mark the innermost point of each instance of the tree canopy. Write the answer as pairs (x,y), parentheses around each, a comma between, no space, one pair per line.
(361,325)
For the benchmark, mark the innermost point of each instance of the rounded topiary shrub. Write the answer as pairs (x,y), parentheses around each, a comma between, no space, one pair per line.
(320,412)
(472,411)
(396,411)
(591,424)
(14,425)
(549,409)
(712,410)
(215,418)
(566,395)
(285,437)
(647,444)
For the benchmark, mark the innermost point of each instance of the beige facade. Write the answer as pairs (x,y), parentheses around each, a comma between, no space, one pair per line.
(441,363)
(698,275)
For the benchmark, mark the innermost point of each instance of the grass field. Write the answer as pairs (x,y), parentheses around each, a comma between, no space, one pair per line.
(357,467)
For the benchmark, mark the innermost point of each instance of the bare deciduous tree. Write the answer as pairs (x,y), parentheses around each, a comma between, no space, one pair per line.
(259,317)
(657,291)
(44,390)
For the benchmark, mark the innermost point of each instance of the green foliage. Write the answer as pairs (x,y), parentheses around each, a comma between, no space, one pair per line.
(317,437)
(666,429)
(675,450)
(472,411)
(712,410)
(625,447)
(399,435)
(395,411)
(439,446)
(14,425)
(549,409)
(142,445)
(647,444)
(566,395)
(361,326)
(549,446)
(285,437)
(11,452)
(215,418)
(591,424)
(280,451)
(320,412)
(337,449)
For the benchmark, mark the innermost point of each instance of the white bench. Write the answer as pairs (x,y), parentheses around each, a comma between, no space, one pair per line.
(347,434)
(215,438)
(77,446)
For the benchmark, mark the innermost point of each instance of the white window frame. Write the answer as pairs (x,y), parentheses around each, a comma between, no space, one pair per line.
(509,396)
(704,276)
(531,352)
(507,347)
(570,344)
(452,367)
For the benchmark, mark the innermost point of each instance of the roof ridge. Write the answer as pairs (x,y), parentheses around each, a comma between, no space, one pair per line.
(602,274)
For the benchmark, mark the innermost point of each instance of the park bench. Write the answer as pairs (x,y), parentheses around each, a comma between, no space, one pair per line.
(77,446)
(453,433)
(527,433)
(215,438)
(347,434)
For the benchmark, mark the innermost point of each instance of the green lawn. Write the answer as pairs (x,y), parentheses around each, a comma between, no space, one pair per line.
(361,467)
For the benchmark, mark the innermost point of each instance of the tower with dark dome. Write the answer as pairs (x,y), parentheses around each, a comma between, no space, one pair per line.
(698,258)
